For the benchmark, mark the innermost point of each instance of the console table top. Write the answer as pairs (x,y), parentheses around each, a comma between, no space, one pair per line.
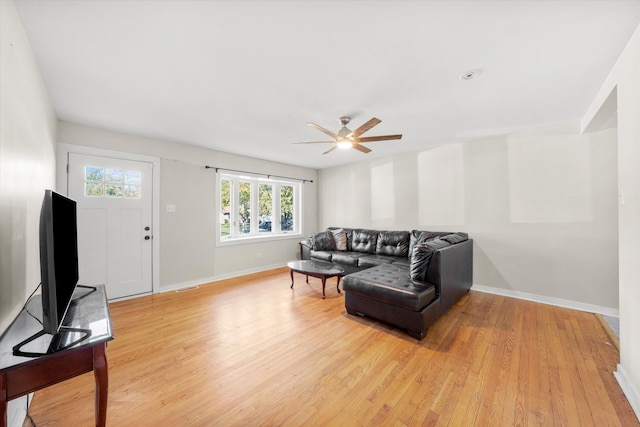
(88,310)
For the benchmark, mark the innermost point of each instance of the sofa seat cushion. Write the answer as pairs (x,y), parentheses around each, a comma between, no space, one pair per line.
(390,284)
(369,260)
(406,262)
(347,258)
(321,255)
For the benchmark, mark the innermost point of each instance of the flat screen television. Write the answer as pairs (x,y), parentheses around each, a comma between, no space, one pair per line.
(58,273)
(58,258)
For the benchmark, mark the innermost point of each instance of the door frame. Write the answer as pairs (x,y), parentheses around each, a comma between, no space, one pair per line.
(62,181)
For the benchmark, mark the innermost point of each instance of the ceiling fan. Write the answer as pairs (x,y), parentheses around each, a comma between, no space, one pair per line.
(346,138)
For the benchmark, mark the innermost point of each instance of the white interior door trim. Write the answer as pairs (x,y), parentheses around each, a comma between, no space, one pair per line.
(62,187)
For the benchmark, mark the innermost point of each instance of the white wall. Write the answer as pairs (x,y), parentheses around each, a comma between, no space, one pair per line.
(188,254)
(27,167)
(540,206)
(620,93)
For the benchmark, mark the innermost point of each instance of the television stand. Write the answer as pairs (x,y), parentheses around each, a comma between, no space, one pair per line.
(21,375)
(57,338)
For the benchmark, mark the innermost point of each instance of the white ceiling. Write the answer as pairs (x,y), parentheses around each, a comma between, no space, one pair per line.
(245,76)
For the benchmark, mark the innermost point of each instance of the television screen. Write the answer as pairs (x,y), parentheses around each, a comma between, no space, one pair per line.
(58,257)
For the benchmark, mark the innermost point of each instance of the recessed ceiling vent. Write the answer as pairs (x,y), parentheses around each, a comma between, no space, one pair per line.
(471,74)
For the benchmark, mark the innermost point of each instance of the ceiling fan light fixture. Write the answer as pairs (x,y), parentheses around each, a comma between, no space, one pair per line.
(345,144)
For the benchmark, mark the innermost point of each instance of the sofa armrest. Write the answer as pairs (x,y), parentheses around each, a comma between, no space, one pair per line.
(451,271)
(305,249)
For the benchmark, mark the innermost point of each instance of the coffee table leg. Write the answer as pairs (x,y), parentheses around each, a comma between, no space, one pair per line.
(324,280)
(291,279)
(338,285)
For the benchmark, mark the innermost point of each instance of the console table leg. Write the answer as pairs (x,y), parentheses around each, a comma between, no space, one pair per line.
(291,279)
(3,400)
(101,373)
(324,280)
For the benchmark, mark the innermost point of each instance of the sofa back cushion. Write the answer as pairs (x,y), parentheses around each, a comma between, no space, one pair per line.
(418,236)
(322,241)
(421,257)
(393,243)
(454,238)
(364,241)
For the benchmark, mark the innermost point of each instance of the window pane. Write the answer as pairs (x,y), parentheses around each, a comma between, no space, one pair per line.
(133,177)
(114,190)
(132,191)
(93,174)
(244,210)
(265,206)
(93,189)
(286,208)
(225,207)
(115,176)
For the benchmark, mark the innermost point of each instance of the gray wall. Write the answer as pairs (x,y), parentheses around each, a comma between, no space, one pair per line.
(27,168)
(619,98)
(541,207)
(27,163)
(188,254)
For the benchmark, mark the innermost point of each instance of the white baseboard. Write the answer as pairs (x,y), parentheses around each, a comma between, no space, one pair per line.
(632,394)
(196,282)
(575,305)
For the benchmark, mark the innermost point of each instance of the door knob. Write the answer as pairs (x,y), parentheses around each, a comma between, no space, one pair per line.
(147,228)
(147,237)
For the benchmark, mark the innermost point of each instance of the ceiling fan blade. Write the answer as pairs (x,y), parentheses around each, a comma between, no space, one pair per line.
(321,129)
(378,138)
(361,148)
(365,127)
(314,142)
(330,149)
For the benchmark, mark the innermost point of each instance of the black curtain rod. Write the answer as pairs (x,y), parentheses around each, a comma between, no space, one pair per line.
(262,174)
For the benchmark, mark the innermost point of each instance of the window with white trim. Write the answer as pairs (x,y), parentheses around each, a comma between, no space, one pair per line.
(257,207)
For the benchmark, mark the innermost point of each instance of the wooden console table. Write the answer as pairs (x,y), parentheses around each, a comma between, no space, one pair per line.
(23,375)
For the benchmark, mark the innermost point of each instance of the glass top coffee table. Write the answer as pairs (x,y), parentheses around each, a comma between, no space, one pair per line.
(320,269)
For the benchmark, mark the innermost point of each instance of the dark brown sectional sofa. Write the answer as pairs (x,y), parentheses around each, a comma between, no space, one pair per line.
(405,278)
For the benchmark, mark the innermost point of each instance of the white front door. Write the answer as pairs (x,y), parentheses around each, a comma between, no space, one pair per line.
(114,204)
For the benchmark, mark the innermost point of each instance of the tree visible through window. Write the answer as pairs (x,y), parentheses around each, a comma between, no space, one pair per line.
(253,206)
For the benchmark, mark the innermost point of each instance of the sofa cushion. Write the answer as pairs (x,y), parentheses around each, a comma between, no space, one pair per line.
(418,236)
(348,232)
(422,253)
(322,241)
(346,258)
(339,239)
(390,284)
(454,238)
(393,243)
(321,255)
(364,241)
(368,260)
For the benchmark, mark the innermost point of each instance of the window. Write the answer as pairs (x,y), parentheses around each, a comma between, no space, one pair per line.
(256,207)
(101,182)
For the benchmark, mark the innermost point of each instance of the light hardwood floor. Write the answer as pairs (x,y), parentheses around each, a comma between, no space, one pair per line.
(252,352)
